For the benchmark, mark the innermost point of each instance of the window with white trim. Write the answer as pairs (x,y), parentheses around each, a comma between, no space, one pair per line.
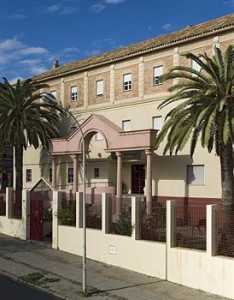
(70,175)
(157,122)
(127,82)
(99,87)
(28,175)
(196,67)
(73,93)
(195,174)
(126,125)
(158,71)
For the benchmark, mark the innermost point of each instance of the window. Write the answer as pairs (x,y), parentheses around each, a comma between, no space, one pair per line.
(158,71)
(70,175)
(157,122)
(50,175)
(126,125)
(195,175)
(53,93)
(196,66)
(127,84)
(99,87)
(28,175)
(98,137)
(96,172)
(73,93)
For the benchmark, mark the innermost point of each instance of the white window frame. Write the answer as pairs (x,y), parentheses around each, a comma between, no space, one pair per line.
(74,93)
(158,71)
(99,87)
(28,175)
(195,175)
(127,82)
(195,66)
(70,175)
(126,125)
(157,122)
(54,93)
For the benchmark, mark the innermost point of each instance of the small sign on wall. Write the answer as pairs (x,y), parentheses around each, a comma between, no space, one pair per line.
(112,250)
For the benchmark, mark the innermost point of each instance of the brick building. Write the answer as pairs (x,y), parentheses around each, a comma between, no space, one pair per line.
(115,97)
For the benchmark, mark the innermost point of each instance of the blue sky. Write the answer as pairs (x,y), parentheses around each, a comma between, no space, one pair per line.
(33,33)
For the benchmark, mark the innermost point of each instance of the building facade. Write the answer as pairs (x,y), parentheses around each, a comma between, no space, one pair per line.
(114,97)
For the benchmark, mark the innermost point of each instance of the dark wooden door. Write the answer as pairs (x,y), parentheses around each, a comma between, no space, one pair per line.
(138,179)
(36,220)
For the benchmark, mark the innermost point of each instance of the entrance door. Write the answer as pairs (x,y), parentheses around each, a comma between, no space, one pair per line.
(138,179)
(36,220)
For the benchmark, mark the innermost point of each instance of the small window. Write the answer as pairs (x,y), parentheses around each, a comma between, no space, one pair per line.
(50,175)
(157,123)
(73,93)
(99,87)
(28,175)
(195,175)
(98,137)
(127,84)
(54,93)
(70,175)
(96,172)
(158,71)
(126,125)
(196,67)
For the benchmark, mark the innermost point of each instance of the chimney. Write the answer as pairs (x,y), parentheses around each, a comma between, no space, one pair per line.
(55,64)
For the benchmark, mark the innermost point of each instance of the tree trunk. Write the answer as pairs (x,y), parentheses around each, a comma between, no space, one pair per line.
(19,174)
(226,163)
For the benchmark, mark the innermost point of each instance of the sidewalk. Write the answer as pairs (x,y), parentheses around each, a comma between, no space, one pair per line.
(19,258)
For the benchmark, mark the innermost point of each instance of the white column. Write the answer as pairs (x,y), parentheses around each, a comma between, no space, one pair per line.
(171,224)
(136,201)
(211,229)
(56,205)
(26,214)
(9,193)
(106,213)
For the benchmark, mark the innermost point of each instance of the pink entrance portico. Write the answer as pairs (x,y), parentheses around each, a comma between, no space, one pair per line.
(116,140)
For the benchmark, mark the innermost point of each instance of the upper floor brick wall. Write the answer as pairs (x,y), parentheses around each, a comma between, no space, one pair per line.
(142,75)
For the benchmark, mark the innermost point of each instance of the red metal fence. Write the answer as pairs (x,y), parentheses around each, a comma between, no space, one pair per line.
(94,211)
(225,232)
(191,226)
(153,227)
(2,204)
(122,224)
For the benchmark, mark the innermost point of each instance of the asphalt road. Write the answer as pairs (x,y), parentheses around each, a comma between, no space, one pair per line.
(13,290)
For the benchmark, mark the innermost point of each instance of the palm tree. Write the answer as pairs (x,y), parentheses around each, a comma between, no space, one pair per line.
(24,120)
(204,110)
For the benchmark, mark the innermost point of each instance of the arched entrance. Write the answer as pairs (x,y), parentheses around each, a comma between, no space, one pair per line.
(118,142)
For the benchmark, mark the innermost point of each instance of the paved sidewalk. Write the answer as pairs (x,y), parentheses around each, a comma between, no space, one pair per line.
(19,258)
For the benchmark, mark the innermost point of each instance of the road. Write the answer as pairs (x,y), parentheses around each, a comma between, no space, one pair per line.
(13,290)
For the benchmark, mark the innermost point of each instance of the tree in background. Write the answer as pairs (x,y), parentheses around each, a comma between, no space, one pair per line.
(25,120)
(203,101)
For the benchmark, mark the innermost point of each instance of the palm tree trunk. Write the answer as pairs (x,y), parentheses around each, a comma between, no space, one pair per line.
(19,174)
(226,163)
